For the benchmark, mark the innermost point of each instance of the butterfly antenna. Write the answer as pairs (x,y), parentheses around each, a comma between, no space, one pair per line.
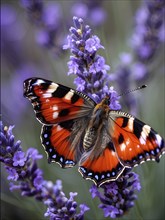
(133,90)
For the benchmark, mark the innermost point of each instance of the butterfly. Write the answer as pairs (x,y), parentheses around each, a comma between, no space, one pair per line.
(76,129)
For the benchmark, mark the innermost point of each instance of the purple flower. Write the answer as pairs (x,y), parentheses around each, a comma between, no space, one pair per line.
(19,159)
(59,207)
(15,61)
(114,99)
(92,10)
(125,58)
(161,34)
(47,18)
(118,196)
(34,9)
(94,191)
(15,84)
(13,175)
(33,153)
(93,44)
(97,16)
(110,211)
(73,67)
(90,68)
(52,15)
(80,10)
(38,182)
(140,71)
(12,32)
(25,176)
(145,42)
(80,84)
(83,208)
(99,66)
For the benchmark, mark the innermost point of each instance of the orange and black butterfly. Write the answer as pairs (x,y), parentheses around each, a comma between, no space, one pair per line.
(77,130)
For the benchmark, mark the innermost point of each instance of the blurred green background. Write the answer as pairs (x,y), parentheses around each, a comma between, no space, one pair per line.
(16,110)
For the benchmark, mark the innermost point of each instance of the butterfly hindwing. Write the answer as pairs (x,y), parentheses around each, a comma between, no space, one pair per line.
(54,103)
(104,168)
(63,141)
(134,141)
(55,140)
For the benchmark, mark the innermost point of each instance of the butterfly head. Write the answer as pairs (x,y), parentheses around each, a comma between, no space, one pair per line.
(103,106)
(106,100)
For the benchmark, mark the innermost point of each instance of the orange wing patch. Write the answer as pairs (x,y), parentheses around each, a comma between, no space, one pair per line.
(105,168)
(55,141)
(136,142)
(52,109)
(54,103)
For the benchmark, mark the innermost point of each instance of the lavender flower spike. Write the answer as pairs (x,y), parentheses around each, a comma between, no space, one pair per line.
(118,196)
(90,68)
(25,176)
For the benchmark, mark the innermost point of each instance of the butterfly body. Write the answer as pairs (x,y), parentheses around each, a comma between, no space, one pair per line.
(77,130)
(96,123)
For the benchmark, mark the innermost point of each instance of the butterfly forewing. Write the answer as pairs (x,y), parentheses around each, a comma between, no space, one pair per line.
(61,109)
(134,141)
(54,103)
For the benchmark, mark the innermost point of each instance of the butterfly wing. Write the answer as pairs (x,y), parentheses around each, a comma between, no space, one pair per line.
(54,103)
(134,141)
(55,141)
(64,113)
(63,141)
(104,168)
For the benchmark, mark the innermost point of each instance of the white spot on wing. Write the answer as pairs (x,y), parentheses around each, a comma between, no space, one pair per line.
(69,95)
(135,165)
(59,128)
(55,115)
(130,123)
(144,134)
(159,139)
(146,129)
(122,147)
(38,82)
(142,141)
(52,88)
(113,153)
(55,108)
(47,95)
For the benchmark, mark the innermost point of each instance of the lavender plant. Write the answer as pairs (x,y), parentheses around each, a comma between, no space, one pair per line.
(146,41)
(47,17)
(13,60)
(117,197)
(90,68)
(148,33)
(25,175)
(93,79)
(92,10)
(48,20)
